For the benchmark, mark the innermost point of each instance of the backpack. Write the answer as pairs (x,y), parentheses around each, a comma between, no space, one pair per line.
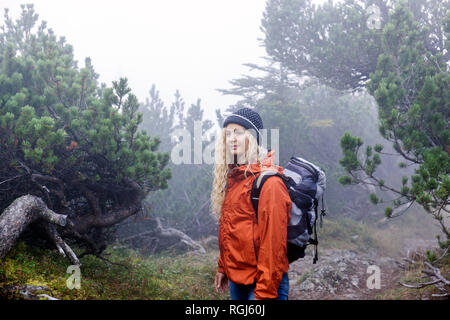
(306,183)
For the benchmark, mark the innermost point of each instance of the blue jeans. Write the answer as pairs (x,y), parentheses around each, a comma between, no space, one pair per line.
(247,292)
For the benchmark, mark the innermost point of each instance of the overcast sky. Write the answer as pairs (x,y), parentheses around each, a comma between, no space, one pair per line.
(195,46)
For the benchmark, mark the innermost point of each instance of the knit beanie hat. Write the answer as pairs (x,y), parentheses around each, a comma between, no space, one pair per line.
(247,118)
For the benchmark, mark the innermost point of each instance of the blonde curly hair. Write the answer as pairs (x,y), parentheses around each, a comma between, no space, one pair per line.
(253,154)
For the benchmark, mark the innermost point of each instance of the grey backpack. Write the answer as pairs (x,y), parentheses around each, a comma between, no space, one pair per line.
(306,183)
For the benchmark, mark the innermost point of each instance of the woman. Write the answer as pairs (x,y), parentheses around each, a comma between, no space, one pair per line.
(252,260)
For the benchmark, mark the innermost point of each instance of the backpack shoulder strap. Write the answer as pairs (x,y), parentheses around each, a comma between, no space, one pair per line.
(257,186)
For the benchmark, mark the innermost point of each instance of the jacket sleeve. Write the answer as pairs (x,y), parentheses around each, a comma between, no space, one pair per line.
(220,267)
(220,264)
(273,216)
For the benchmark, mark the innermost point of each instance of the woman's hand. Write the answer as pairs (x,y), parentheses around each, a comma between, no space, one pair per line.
(221,282)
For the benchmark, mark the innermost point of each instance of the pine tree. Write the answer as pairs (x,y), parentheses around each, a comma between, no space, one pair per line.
(184,205)
(403,64)
(72,144)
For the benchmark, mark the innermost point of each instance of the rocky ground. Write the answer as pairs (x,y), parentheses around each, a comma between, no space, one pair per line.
(344,274)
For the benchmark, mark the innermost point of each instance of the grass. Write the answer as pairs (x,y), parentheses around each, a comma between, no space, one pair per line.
(413,275)
(155,278)
(388,237)
(342,233)
(178,277)
(303,278)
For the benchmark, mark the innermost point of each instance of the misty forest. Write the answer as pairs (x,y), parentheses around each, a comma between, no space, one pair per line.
(88,184)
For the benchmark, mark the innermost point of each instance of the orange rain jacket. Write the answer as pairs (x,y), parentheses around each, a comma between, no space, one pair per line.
(255,251)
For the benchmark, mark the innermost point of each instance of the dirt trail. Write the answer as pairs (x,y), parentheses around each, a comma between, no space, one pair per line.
(346,274)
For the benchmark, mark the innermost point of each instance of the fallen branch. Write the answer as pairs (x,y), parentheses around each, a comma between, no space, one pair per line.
(28,292)
(61,245)
(184,238)
(439,281)
(435,272)
(142,234)
(161,232)
(46,296)
(419,286)
(444,254)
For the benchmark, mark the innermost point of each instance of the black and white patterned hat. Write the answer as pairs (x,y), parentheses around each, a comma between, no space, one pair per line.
(247,118)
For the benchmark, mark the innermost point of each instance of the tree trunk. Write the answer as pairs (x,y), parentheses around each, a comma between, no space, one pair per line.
(20,214)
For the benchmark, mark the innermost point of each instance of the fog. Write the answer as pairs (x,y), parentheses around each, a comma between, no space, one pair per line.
(193,46)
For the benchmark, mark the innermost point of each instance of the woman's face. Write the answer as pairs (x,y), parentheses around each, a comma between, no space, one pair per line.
(236,140)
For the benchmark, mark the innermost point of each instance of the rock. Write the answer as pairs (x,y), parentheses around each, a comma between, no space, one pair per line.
(307,285)
(355,281)
(342,266)
(339,274)
(332,290)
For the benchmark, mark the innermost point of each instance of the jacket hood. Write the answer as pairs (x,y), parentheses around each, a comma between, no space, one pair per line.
(238,172)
